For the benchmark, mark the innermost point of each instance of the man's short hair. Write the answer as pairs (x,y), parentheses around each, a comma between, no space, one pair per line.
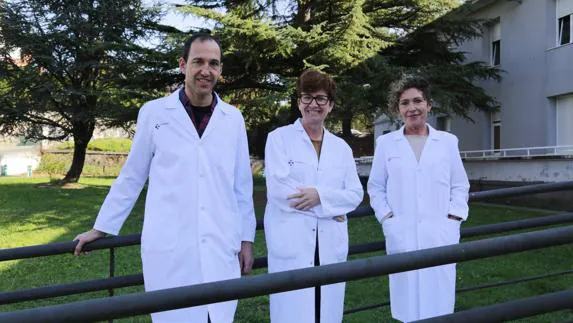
(200,36)
(314,81)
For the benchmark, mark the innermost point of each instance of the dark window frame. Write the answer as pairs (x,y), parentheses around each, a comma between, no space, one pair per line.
(564,30)
(496,52)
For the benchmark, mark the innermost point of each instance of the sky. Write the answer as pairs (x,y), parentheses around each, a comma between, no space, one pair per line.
(178,20)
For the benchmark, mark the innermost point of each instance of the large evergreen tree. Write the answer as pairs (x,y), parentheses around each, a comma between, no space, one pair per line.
(86,64)
(365,44)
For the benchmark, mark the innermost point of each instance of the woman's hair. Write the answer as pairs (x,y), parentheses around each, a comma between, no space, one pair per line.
(313,81)
(407,81)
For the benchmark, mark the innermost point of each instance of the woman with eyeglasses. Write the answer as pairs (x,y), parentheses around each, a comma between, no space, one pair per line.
(418,189)
(312,183)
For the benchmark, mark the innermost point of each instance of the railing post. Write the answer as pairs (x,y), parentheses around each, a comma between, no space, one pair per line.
(111,271)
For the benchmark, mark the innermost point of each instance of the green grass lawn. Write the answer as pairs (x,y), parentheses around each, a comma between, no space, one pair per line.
(32,213)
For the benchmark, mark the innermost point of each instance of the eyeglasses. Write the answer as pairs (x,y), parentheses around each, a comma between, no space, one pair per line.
(320,99)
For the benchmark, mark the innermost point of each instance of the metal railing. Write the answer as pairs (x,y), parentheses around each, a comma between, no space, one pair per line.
(511,310)
(502,153)
(137,279)
(131,280)
(201,294)
(519,152)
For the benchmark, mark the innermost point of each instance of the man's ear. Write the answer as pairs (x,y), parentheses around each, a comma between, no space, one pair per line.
(182,65)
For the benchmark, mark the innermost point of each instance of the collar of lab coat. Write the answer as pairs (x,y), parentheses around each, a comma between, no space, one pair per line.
(173,102)
(298,126)
(432,135)
(180,116)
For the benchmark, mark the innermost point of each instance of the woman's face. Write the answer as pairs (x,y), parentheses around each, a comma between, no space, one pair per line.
(413,108)
(314,106)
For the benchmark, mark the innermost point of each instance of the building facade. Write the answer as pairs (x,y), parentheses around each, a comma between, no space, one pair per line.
(531,41)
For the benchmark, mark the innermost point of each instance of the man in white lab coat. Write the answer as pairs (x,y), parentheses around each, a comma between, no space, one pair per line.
(199,221)
(312,183)
(419,191)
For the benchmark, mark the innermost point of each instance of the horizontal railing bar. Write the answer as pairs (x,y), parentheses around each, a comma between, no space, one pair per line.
(513,281)
(214,292)
(473,288)
(530,223)
(59,248)
(511,310)
(517,149)
(521,190)
(70,289)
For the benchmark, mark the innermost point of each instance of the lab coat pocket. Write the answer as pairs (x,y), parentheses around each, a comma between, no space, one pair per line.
(168,142)
(393,235)
(299,170)
(450,230)
(160,232)
(342,239)
(440,170)
(280,242)
(394,164)
(333,176)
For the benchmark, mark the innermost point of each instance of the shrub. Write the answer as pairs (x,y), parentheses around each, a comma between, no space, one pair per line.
(100,165)
(107,144)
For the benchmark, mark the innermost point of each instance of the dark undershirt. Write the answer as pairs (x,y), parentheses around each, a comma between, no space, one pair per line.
(200,112)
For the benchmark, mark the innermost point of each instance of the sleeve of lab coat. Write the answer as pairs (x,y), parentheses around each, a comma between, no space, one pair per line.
(459,184)
(126,189)
(243,186)
(334,202)
(277,171)
(377,182)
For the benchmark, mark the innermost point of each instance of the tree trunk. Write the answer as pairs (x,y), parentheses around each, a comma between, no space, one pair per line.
(78,161)
(347,126)
(294,112)
(83,132)
(304,13)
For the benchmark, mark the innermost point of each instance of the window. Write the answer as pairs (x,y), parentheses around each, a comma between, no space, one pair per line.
(495,37)
(564,30)
(564,17)
(443,123)
(495,56)
(496,131)
(564,106)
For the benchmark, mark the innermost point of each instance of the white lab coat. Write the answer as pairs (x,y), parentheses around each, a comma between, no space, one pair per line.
(420,195)
(199,203)
(291,162)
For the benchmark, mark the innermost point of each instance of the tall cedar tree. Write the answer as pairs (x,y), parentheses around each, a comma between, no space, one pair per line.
(364,44)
